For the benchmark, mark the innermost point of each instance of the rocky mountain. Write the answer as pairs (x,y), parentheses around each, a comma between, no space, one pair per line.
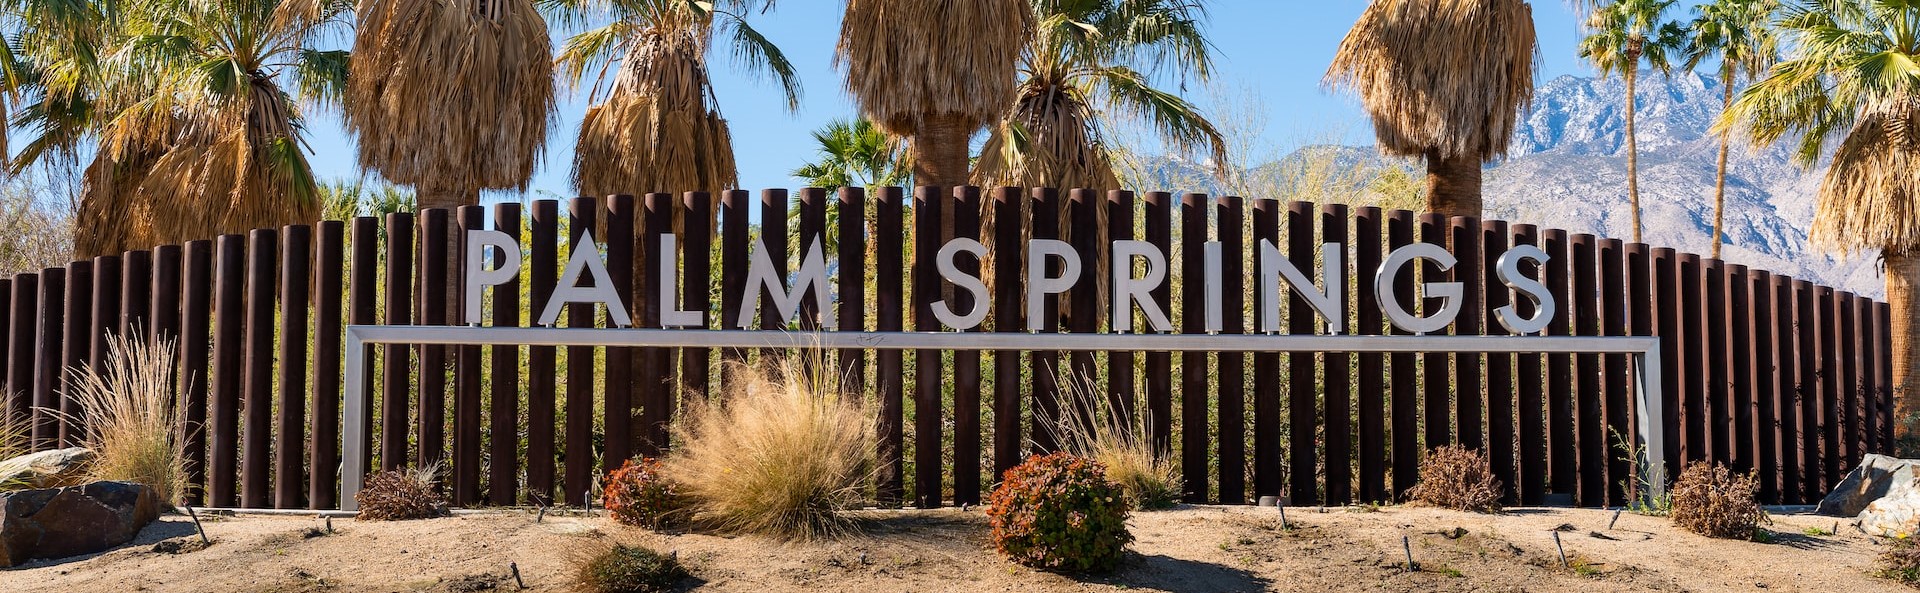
(1567,169)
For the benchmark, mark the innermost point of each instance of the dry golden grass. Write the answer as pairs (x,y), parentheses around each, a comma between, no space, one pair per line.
(1149,481)
(1458,478)
(129,420)
(783,454)
(1711,500)
(13,443)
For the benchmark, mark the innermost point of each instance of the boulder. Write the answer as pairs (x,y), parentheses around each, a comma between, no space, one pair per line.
(73,520)
(47,469)
(1871,480)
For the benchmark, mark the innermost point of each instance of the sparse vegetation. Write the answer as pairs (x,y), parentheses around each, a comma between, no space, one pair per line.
(1713,501)
(396,495)
(639,494)
(623,568)
(1900,563)
(1457,478)
(1060,512)
(128,419)
(13,443)
(1149,481)
(782,455)
(1638,502)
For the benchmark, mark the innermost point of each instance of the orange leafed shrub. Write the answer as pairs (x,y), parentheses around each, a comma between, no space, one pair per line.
(1060,512)
(638,494)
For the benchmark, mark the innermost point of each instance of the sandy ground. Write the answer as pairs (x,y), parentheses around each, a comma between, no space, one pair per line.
(1188,549)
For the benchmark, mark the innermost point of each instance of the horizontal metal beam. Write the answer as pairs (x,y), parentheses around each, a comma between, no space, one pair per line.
(706,338)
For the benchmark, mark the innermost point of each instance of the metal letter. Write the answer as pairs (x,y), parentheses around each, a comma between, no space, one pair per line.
(1039,285)
(1128,290)
(1448,292)
(1211,253)
(1508,269)
(972,284)
(1329,301)
(670,313)
(760,273)
(507,266)
(586,258)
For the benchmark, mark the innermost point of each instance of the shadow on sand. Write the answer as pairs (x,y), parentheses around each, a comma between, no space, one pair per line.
(1178,575)
(166,528)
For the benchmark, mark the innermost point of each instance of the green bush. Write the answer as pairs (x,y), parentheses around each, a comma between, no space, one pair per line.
(1060,512)
(638,494)
(628,569)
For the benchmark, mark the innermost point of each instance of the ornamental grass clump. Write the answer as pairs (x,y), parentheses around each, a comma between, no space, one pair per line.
(13,443)
(1713,501)
(127,417)
(640,494)
(621,568)
(1088,426)
(396,495)
(784,454)
(1457,478)
(1060,512)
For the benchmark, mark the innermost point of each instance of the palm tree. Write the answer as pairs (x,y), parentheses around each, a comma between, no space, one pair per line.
(450,96)
(1851,75)
(183,107)
(934,71)
(855,153)
(1443,80)
(1078,69)
(1624,33)
(659,128)
(1740,32)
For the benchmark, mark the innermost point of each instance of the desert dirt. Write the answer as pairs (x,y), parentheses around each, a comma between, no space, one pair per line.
(1190,549)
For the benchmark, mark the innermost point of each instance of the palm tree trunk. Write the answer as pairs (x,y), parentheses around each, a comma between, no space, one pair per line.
(1633,159)
(450,200)
(1453,184)
(1720,176)
(940,151)
(1903,296)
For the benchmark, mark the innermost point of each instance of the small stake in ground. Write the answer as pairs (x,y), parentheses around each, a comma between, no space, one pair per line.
(515,569)
(197,527)
(1563,551)
(1616,518)
(329,519)
(1407,544)
(1283,517)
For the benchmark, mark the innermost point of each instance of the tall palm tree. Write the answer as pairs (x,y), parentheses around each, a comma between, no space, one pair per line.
(935,71)
(1853,74)
(1624,33)
(183,107)
(659,128)
(1740,33)
(1080,68)
(1443,80)
(450,96)
(855,153)
(212,74)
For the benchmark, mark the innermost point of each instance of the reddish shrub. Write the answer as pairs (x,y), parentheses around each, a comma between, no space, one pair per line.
(638,494)
(1060,512)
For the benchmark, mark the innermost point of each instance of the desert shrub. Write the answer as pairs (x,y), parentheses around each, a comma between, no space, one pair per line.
(1060,512)
(1711,500)
(396,495)
(640,494)
(628,569)
(1901,562)
(1457,478)
(129,419)
(1089,427)
(780,455)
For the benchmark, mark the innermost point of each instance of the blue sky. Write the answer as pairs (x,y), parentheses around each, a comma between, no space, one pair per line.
(1277,50)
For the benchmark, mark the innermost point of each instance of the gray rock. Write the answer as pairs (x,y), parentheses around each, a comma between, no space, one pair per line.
(1895,515)
(47,469)
(74,520)
(1869,481)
